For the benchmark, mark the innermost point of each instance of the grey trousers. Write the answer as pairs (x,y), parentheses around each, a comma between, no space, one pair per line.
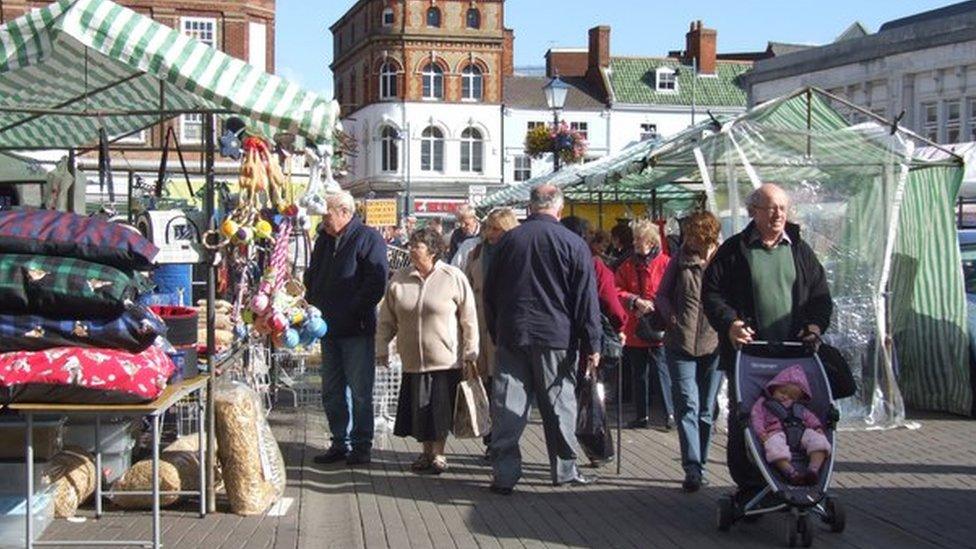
(548,375)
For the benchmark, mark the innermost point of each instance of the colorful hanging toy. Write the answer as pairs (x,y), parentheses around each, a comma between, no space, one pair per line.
(255,237)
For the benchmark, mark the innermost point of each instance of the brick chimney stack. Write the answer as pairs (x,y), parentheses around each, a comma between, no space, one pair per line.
(599,49)
(508,53)
(700,45)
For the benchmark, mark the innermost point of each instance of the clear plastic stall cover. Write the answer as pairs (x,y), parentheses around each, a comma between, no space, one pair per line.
(846,185)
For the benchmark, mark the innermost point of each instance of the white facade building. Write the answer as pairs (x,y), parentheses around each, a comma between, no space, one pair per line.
(923,65)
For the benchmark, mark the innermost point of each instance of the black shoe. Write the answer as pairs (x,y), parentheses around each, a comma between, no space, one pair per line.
(640,423)
(692,482)
(332,455)
(669,423)
(358,457)
(500,490)
(580,480)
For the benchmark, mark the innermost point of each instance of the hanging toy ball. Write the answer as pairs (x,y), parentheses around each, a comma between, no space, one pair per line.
(291,338)
(259,303)
(263,230)
(229,228)
(291,210)
(244,235)
(317,326)
(313,312)
(296,316)
(307,338)
(279,322)
(247,315)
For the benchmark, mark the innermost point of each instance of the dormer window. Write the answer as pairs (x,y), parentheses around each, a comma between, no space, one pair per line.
(666,80)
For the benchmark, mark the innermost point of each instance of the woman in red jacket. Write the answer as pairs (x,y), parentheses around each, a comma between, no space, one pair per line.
(638,279)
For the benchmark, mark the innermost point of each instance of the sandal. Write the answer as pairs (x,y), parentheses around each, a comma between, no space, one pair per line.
(438,465)
(422,463)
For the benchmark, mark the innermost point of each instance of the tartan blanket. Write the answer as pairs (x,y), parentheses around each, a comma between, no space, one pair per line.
(63,287)
(66,234)
(133,331)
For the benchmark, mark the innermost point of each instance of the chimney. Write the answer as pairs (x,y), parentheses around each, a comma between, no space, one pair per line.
(508,53)
(700,44)
(599,49)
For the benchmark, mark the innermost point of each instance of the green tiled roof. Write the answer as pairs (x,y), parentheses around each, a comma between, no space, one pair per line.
(633,82)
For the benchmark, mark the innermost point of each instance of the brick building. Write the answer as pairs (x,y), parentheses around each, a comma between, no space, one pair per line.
(244,29)
(421,84)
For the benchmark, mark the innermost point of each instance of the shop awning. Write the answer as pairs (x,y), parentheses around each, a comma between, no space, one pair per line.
(77,65)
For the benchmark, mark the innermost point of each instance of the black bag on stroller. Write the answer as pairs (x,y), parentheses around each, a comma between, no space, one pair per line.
(592,428)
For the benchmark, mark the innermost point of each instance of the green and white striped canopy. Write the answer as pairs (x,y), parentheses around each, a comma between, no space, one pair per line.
(77,65)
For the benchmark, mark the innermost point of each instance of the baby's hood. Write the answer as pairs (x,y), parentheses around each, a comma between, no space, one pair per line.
(791,375)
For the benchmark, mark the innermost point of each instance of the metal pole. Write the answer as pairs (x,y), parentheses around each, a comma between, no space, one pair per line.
(694,77)
(555,153)
(208,125)
(409,205)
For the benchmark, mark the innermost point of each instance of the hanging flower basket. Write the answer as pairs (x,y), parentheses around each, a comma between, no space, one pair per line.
(564,141)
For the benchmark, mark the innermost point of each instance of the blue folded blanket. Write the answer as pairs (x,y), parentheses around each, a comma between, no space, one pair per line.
(133,331)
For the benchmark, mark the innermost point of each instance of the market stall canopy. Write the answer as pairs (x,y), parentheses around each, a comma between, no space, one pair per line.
(75,66)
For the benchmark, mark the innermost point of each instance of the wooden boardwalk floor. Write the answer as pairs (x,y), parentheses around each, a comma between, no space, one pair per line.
(902,488)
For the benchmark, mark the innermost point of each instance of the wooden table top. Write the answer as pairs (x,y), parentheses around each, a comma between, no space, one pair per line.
(170,396)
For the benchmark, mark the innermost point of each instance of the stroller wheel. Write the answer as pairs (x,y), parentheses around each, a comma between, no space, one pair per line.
(725,514)
(805,530)
(791,530)
(836,516)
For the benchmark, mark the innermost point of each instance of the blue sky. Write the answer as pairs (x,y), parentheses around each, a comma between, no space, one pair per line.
(639,27)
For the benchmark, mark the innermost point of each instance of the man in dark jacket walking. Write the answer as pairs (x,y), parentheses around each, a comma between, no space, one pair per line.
(764,283)
(346,279)
(541,309)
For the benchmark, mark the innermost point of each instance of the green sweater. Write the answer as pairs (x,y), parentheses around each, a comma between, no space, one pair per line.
(773,273)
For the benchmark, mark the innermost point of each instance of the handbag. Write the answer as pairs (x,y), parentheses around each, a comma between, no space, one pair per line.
(651,327)
(611,346)
(471,415)
(592,427)
(842,384)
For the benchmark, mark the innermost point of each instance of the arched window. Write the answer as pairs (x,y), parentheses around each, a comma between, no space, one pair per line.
(433,77)
(433,17)
(432,150)
(388,17)
(388,81)
(389,149)
(472,151)
(474,18)
(472,83)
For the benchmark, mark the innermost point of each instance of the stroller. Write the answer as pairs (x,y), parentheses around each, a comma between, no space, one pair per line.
(757,364)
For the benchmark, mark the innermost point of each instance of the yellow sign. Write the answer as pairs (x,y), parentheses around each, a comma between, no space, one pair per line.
(381,212)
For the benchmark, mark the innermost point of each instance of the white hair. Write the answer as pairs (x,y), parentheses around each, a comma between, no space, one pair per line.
(466,211)
(341,199)
(545,197)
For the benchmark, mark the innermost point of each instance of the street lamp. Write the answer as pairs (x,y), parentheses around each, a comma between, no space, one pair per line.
(556,91)
(694,78)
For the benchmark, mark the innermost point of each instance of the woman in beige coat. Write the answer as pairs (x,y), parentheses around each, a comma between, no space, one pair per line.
(428,307)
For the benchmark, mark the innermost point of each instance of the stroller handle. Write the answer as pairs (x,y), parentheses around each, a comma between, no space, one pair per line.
(775,343)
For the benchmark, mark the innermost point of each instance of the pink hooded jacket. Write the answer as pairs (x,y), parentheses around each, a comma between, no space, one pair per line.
(764,423)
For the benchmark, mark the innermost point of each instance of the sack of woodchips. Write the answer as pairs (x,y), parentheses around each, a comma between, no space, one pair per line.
(251,463)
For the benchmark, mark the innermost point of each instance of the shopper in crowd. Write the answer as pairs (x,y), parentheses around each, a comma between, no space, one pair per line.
(346,278)
(638,279)
(467,228)
(622,242)
(794,302)
(430,309)
(436,224)
(542,310)
(409,226)
(599,242)
(498,222)
(691,345)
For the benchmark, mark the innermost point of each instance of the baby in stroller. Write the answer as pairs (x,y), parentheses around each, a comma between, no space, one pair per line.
(783,425)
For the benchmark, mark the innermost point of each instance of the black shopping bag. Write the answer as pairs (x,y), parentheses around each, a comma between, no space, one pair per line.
(592,428)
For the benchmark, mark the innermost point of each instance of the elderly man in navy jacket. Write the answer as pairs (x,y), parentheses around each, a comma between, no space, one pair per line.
(346,278)
(542,310)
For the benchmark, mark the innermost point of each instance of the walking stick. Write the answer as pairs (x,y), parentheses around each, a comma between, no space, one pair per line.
(620,404)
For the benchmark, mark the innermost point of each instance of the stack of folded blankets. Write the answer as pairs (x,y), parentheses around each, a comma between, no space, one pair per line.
(71,330)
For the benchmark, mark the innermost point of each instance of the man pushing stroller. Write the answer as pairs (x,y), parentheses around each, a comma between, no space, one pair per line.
(764,283)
